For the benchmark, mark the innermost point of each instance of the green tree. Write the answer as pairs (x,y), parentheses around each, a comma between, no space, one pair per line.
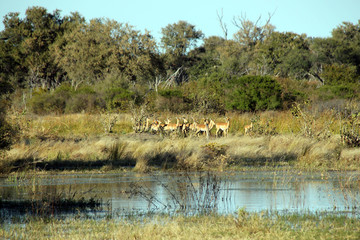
(296,64)
(284,55)
(26,51)
(7,132)
(235,58)
(11,59)
(251,33)
(177,39)
(347,49)
(205,59)
(226,56)
(102,47)
(341,52)
(84,52)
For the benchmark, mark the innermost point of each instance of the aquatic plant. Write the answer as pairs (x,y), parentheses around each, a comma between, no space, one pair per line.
(40,201)
(188,193)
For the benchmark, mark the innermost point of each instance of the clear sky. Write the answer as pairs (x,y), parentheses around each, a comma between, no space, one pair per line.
(316,18)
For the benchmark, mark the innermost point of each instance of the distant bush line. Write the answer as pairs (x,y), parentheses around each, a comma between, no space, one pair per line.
(65,64)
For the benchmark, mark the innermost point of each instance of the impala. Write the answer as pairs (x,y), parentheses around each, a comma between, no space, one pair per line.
(223,126)
(171,126)
(248,128)
(155,126)
(186,126)
(201,128)
(180,126)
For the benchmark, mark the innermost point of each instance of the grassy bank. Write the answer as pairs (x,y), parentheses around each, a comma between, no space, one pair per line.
(243,226)
(143,152)
(79,142)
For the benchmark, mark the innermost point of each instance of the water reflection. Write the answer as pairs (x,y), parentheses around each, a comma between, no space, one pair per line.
(253,191)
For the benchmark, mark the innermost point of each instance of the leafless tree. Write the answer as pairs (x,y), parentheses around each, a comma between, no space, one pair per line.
(222,24)
(249,32)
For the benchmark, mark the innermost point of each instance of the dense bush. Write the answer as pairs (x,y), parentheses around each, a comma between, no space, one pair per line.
(342,91)
(119,98)
(7,132)
(84,103)
(172,100)
(253,93)
(65,99)
(339,74)
(47,102)
(207,94)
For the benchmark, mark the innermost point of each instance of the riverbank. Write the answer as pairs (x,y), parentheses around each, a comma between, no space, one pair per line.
(243,225)
(143,152)
(77,142)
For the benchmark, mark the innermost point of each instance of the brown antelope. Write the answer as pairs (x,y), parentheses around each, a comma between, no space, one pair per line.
(170,127)
(167,121)
(248,128)
(223,126)
(155,126)
(201,128)
(192,126)
(185,127)
(179,126)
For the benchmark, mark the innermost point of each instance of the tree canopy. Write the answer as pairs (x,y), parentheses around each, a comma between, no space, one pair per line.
(44,51)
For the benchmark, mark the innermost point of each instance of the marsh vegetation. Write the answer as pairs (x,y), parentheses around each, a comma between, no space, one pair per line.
(258,204)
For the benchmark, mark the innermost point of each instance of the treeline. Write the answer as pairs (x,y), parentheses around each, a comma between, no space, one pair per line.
(65,64)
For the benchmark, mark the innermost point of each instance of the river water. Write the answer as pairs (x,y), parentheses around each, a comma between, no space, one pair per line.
(225,192)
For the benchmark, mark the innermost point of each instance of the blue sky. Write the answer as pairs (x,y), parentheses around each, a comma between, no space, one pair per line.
(316,18)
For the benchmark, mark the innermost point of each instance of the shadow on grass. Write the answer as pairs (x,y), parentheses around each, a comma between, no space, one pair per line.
(164,160)
(61,165)
(259,161)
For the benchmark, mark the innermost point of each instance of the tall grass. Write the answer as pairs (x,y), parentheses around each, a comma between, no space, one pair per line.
(78,141)
(40,201)
(68,125)
(146,152)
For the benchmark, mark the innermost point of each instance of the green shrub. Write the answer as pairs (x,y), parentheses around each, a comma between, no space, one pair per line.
(119,98)
(46,103)
(253,93)
(207,94)
(336,74)
(172,100)
(343,91)
(170,93)
(84,99)
(84,102)
(65,99)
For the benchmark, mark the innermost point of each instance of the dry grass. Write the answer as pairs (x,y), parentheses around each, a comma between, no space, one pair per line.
(148,151)
(78,140)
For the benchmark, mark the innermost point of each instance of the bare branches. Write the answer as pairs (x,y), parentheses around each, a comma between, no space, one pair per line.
(250,33)
(176,78)
(222,24)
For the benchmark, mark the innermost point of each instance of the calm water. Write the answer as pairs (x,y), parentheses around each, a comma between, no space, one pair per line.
(131,193)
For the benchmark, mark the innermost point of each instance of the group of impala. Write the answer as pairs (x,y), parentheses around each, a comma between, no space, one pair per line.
(185,128)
